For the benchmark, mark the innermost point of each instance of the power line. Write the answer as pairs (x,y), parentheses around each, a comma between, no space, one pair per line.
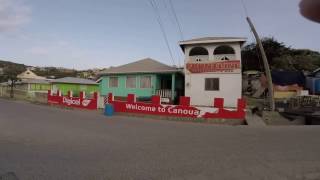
(176,18)
(252,36)
(174,23)
(245,8)
(158,17)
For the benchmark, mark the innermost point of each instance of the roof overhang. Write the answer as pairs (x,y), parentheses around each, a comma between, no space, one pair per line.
(141,72)
(211,41)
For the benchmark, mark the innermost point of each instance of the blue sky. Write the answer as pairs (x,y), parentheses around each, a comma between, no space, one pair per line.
(85,34)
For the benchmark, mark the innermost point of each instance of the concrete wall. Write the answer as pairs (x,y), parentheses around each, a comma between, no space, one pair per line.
(33,96)
(230,89)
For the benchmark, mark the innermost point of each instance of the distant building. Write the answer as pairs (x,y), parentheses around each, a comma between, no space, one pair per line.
(33,85)
(28,74)
(1,71)
(75,85)
(31,82)
(213,69)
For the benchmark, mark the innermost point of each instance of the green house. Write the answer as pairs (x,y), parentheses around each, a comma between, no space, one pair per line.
(143,78)
(33,85)
(75,85)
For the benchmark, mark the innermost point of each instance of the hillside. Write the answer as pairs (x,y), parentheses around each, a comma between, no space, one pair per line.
(5,64)
(49,72)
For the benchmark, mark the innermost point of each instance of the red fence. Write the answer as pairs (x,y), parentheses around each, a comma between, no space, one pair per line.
(77,102)
(182,110)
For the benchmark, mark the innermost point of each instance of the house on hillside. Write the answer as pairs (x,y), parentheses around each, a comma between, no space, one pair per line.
(33,85)
(213,69)
(28,74)
(143,78)
(31,82)
(75,85)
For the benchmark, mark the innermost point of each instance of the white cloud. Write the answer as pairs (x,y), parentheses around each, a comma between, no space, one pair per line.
(13,14)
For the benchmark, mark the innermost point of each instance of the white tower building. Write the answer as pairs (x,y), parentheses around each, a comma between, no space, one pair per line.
(213,69)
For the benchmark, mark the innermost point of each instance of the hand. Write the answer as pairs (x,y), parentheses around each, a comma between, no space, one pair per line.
(310,9)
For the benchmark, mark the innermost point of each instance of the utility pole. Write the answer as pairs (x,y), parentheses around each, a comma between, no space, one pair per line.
(266,65)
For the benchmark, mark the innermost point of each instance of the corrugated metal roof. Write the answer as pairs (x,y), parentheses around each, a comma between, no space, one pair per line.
(36,81)
(147,65)
(73,80)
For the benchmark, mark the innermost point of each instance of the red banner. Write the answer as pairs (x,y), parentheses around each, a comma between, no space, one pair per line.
(222,67)
(182,110)
(76,102)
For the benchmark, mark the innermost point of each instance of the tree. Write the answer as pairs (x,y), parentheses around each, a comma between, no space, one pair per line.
(279,56)
(294,63)
(10,74)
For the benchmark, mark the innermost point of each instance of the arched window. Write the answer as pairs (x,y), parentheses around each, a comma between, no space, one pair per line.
(199,54)
(224,52)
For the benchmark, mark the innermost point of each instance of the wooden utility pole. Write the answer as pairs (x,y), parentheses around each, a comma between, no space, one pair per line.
(266,65)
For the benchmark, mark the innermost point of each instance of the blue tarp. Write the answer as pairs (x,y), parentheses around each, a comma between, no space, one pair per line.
(284,78)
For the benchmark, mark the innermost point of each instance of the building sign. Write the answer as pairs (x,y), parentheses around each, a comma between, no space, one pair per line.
(215,67)
(182,110)
(77,102)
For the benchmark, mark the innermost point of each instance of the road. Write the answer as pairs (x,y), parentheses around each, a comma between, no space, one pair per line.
(42,142)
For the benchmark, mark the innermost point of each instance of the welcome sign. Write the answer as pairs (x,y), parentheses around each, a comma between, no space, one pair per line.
(182,110)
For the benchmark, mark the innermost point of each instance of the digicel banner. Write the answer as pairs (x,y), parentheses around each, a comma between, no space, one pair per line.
(76,102)
(222,67)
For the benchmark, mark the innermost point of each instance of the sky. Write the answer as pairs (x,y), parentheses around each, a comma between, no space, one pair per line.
(84,34)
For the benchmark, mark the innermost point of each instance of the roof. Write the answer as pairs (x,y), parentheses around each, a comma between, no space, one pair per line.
(36,81)
(29,75)
(73,80)
(207,40)
(147,65)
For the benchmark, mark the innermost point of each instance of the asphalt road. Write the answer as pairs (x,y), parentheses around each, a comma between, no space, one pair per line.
(41,142)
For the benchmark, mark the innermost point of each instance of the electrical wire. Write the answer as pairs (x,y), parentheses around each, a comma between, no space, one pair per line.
(247,15)
(176,19)
(158,17)
(245,8)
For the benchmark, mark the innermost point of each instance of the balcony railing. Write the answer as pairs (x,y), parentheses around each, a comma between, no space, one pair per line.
(165,93)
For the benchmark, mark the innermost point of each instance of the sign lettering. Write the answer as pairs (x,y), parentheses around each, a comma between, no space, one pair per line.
(217,67)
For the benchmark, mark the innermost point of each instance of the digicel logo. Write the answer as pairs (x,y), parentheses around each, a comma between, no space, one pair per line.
(86,102)
(71,101)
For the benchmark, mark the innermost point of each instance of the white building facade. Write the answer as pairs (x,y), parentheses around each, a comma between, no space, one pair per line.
(213,70)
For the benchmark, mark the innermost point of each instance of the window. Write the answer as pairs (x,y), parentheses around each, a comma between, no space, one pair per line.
(83,87)
(113,82)
(224,52)
(131,82)
(196,51)
(198,54)
(212,84)
(145,82)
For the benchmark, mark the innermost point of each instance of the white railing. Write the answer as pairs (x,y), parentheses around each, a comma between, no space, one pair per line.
(164,93)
